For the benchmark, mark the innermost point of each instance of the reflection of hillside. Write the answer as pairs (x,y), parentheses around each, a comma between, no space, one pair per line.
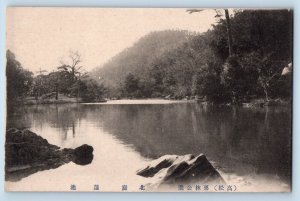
(228,135)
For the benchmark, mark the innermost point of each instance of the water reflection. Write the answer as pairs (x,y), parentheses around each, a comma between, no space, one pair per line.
(241,140)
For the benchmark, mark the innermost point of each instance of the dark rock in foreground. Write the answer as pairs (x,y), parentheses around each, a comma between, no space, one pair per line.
(27,153)
(83,154)
(187,169)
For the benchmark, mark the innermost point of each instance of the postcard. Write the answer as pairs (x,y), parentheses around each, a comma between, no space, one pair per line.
(148,99)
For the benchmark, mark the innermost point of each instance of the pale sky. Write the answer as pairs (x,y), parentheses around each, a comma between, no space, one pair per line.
(41,37)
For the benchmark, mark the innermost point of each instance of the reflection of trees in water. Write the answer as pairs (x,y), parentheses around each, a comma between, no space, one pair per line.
(232,136)
(66,119)
(258,137)
(17,117)
(63,117)
(242,139)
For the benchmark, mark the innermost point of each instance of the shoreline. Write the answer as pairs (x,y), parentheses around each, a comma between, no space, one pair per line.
(158,100)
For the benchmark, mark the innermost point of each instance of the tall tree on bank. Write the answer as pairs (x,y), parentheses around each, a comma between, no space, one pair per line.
(73,66)
(73,70)
(19,80)
(229,33)
(230,72)
(228,26)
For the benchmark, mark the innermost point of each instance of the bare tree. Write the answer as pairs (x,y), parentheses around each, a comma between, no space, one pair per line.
(267,75)
(74,70)
(73,66)
(265,82)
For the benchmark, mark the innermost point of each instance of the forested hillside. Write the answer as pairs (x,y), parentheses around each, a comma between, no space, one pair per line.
(177,64)
(139,58)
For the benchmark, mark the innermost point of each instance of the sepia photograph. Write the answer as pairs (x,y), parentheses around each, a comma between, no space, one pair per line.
(149,99)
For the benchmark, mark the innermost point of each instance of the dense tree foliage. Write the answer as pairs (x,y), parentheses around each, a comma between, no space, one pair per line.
(179,64)
(19,80)
(69,80)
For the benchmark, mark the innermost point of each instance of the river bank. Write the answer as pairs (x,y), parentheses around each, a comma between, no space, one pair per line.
(52,98)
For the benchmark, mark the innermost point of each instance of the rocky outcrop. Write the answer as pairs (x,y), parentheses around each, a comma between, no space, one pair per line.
(187,169)
(27,153)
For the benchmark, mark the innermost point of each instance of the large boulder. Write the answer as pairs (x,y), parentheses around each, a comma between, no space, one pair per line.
(187,169)
(27,153)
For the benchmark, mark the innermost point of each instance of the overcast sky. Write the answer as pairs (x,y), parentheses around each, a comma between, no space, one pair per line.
(41,37)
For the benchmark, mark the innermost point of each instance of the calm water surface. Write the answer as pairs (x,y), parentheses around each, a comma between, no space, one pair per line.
(245,142)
